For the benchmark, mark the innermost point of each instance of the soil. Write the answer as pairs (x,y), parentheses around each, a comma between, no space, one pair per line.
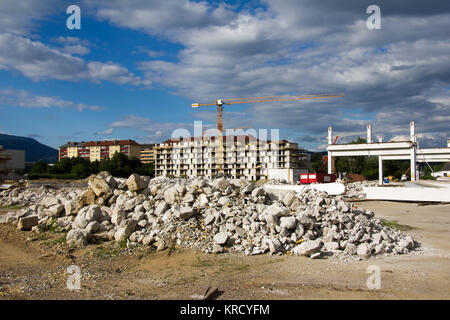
(34,266)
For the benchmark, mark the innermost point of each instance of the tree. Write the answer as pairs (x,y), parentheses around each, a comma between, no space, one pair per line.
(39,167)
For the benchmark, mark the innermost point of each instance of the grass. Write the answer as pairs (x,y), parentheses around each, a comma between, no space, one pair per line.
(53,227)
(102,252)
(55,242)
(202,263)
(12,207)
(395,225)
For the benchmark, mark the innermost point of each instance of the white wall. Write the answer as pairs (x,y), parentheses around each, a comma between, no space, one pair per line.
(290,175)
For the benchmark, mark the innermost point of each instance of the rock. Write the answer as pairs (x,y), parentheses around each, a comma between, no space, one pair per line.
(118,216)
(307,248)
(70,208)
(92,227)
(87,198)
(221,238)
(47,202)
(56,210)
(331,246)
(364,250)
(99,186)
(28,222)
(248,188)
(87,215)
(161,208)
(258,192)
(288,198)
(171,195)
(135,183)
(77,237)
(407,243)
(209,219)
(274,210)
(224,201)
(221,184)
(316,255)
(202,201)
(124,232)
(288,222)
(186,212)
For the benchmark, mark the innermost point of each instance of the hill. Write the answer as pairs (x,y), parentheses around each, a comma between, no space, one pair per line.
(34,150)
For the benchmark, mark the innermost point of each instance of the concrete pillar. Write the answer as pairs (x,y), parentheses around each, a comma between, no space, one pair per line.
(369,133)
(330,135)
(330,142)
(380,170)
(330,163)
(413,152)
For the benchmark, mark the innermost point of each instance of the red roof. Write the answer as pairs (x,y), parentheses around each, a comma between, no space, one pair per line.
(110,143)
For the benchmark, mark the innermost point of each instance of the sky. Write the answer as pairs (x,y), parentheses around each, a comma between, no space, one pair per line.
(135,67)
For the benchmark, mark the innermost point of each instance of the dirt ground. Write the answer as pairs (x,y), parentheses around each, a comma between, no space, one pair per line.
(34,266)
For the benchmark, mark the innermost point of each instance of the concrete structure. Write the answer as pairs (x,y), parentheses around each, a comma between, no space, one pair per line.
(99,150)
(279,191)
(244,157)
(408,194)
(148,153)
(11,160)
(395,150)
(4,159)
(290,175)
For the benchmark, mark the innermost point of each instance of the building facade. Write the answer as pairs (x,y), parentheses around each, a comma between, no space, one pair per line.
(243,157)
(99,150)
(148,153)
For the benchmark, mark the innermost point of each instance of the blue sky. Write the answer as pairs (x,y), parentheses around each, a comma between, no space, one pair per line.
(135,67)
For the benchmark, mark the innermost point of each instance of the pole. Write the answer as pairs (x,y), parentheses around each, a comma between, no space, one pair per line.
(380,170)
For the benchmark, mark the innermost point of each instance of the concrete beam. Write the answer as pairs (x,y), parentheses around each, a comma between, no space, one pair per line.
(371,146)
(407,194)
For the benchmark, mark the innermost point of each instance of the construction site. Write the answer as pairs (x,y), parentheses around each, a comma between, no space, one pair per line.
(222,213)
(208,151)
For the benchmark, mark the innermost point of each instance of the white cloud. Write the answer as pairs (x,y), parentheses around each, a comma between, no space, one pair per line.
(106,132)
(38,61)
(23,99)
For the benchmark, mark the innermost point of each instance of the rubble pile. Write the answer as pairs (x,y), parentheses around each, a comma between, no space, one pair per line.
(211,215)
(354,190)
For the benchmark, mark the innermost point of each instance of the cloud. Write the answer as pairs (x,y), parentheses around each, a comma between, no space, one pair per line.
(389,76)
(23,99)
(24,16)
(38,61)
(106,132)
(155,131)
(34,135)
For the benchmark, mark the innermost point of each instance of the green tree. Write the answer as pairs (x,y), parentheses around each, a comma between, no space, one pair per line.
(39,167)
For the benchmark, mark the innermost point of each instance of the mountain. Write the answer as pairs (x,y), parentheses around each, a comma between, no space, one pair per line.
(34,150)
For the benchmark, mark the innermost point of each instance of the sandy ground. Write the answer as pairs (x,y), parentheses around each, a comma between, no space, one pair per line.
(34,266)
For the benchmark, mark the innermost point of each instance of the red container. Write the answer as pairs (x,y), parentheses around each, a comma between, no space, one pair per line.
(317,178)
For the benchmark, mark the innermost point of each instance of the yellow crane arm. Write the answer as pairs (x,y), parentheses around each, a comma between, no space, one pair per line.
(270,99)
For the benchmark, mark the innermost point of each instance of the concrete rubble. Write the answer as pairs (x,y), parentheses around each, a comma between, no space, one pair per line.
(214,216)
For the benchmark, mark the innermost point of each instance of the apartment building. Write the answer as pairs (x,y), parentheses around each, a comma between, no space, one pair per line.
(148,153)
(99,150)
(243,157)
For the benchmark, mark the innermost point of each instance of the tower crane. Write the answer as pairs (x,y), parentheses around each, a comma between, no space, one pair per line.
(221,102)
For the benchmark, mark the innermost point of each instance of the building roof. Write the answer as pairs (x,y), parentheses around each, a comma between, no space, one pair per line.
(100,143)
